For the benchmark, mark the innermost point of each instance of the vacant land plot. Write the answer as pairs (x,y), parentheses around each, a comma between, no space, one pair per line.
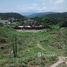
(33,49)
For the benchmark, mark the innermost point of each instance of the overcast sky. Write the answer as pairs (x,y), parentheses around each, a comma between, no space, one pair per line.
(33,6)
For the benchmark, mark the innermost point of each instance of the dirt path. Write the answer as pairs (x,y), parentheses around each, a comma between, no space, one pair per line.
(60,61)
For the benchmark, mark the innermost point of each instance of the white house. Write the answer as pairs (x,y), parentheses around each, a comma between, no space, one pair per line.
(5,21)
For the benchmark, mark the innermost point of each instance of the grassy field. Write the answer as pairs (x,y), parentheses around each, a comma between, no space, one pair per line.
(34,49)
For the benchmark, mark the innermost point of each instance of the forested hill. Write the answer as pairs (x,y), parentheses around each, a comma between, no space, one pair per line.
(49,14)
(11,15)
(40,14)
(58,15)
(55,18)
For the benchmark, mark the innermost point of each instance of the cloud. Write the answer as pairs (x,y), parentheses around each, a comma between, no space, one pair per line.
(35,7)
(59,1)
(44,6)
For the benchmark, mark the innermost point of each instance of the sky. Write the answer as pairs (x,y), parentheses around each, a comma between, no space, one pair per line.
(32,6)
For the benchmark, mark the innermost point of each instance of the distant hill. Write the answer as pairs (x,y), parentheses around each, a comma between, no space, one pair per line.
(39,14)
(53,19)
(52,15)
(57,15)
(49,14)
(11,15)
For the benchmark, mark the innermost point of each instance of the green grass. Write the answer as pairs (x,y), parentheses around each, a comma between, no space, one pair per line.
(27,46)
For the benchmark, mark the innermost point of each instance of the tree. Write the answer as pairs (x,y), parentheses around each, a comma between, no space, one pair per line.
(14,46)
(13,41)
(1,24)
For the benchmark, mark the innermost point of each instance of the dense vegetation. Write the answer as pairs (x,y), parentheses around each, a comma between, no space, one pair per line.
(47,20)
(11,15)
(34,49)
(59,19)
(39,14)
(23,49)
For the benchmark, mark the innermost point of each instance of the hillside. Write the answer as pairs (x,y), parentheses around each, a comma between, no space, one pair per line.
(53,19)
(11,15)
(39,14)
(35,48)
(58,15)
(31,47)
(50,14)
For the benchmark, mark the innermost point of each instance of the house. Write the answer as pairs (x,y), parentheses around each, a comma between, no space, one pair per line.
(29,27)
(30,22)
(4,21)
(23,27)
